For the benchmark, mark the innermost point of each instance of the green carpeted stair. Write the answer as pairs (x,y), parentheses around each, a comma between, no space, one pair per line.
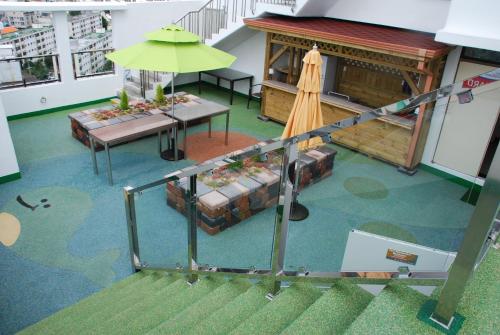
(161,303)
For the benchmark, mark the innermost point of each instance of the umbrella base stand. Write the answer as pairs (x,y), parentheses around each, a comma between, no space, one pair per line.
(298,212)
(169,155)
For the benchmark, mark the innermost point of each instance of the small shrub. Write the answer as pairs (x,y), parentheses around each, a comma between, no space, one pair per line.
(160,96)
(123,100)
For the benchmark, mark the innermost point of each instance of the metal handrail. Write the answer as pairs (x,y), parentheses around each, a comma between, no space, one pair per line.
(473,238)
(93,51)
(76,72)
(25,83)
(13,59)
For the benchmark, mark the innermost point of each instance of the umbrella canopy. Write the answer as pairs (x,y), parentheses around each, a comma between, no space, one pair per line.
(174,34)
(306,111)
(171,57)
(171,49)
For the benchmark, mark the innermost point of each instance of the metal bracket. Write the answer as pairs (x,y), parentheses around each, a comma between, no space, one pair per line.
(270,296)
(406,171)
(404,272)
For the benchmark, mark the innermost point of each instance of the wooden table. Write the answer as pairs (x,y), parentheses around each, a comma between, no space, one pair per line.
(207,109)
(229,75)
(127,131)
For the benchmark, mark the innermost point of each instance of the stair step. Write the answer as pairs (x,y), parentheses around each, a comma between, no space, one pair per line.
(234,313)
(483,290)
(118,324)
(393,311)
(281,312)
(333,312)
(198,311)
(78,322)
(132,88)
(89,326)
(88,304)
(165,309)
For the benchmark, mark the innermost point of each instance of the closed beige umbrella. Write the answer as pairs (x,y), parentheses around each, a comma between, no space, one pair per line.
(306,111)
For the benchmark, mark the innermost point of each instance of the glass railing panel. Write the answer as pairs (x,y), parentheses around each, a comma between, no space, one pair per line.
(237,208)
(161,230)
(366,214)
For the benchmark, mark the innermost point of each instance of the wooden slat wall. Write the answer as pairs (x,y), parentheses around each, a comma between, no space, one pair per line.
(370,87)
(375,138)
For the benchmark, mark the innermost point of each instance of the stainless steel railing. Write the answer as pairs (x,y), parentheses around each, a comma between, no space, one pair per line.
(212,17)
(217,14)
(477,234)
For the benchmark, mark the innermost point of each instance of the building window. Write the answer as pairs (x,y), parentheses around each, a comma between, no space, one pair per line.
(481,55)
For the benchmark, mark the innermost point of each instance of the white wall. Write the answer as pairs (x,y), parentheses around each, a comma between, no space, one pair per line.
(129,26)
(421,15)
(249,47)
(473,24)
(467,128)
(8,160)
(142,17)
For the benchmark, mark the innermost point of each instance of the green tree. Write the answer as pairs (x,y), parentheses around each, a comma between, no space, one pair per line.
(160,97)
(123,100)
(104,23)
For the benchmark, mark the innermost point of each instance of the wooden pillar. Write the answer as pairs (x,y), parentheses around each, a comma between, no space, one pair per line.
(267,56)
(291,58)
(420,129)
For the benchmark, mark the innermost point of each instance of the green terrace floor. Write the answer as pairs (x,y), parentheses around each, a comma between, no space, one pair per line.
(79,244)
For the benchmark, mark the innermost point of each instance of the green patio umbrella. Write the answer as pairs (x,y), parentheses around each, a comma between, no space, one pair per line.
(171,49)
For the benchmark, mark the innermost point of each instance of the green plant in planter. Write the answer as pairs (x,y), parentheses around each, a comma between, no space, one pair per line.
(160,96)
(235,165)
(124,101)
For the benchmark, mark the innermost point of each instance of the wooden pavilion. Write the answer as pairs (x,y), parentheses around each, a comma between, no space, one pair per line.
(365,66)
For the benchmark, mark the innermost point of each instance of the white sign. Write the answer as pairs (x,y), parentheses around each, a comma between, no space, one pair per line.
(366,252)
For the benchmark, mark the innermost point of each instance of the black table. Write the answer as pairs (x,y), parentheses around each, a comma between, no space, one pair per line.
(229,75)
(207,109)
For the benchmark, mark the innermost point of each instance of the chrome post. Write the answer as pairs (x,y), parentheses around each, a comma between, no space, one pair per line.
(282,215)
(133,240)
(192,233)
(108,159)
(475,237)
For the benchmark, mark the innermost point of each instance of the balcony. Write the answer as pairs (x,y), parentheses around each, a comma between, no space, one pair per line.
(80,235)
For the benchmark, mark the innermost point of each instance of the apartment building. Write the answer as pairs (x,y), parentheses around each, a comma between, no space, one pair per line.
(90,62)
(21,19)
(31,41)
(84,24)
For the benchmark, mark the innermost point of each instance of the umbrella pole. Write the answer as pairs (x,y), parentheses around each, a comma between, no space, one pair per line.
(176,153)
(173,153)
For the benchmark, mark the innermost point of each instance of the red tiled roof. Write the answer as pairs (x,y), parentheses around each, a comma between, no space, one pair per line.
(361,34)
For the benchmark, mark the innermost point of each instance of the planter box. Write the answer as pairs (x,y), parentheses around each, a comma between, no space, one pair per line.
(246,191)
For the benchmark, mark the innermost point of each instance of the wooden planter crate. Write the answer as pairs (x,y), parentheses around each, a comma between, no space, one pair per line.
(250,193)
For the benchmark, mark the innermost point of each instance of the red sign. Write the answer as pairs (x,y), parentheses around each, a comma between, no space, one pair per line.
(476,82)
(482,79)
